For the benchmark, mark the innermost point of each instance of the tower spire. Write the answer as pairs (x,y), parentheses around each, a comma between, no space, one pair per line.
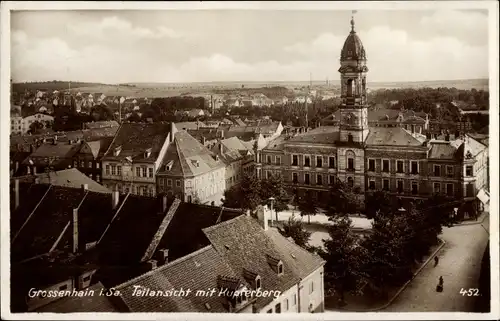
(352,21)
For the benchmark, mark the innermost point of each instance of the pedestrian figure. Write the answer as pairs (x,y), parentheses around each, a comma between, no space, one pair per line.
(436,261)
(440,286)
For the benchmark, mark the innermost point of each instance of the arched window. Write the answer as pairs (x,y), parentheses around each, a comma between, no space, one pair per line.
(350,84)
(350,157)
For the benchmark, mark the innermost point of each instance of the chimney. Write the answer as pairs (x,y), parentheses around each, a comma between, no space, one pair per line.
(222,134)
(263,217)
(16,191)
(203,140)
(447,137)
(16,166)
(75,230)
(221,148)
(85,187)
(152,265)
(115,199)
(164,203)
(173,130)
(162,256)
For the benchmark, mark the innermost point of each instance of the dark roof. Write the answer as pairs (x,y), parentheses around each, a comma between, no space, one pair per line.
(393,136)
(102,124)
(60,151)
(197,271)
(37,237)
(76,304)
(184,234)
(29,195)
(386,114)
(321,135)
(207,133)
(246,246)
(131,232)
(136,138)
(442,150)
(189,157)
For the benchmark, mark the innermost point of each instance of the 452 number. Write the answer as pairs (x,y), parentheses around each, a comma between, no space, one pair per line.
(469,292)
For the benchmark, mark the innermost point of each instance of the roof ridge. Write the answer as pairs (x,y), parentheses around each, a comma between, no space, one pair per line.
(172,263)
(179,155)
(112,142)
(231,221)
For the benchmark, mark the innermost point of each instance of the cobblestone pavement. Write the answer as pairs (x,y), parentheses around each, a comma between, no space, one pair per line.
(459,264)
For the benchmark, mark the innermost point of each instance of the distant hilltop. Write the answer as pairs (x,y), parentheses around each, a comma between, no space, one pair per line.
(171,89)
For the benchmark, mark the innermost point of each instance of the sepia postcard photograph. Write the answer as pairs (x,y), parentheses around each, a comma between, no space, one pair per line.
(216,160)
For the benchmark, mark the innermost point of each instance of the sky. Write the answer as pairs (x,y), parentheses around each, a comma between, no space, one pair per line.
(244,45)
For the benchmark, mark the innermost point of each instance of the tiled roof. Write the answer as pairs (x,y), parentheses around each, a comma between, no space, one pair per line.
(66,178)
(102,124)
(442,150)
(197,271)
(394,136)
(234,143)
(29,196)
(320,135)
(136,138)
(75,304)
(277,144)
(189,156)
(184,234)
(62,151)
(207,133)
(37,237)
(190,125)
(468,144)
(246,247)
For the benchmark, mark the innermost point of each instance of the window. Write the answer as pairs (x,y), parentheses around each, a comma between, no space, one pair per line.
(268,174)
(414,188)
(371,184)
(295,178)
(269,159)
(469,171)
(138,172)
(385,165)
(277,308)
(319,161)
(82,164)
(169,182)
(178,183)
(113,170)
(385,184)
(307,161)
(437,170)
(107,169)
(371,165)
(400,186)
(294,301)
(306,179)
(280,268)
(437,188)
(311,287)
(257,282)
(331,179)
(449,189)
(449,170)
(63,287)
(144,172)
(119,168)
(350,163)
(278,160)
(90,164)
(150,172)
(470,190)
(414,167)
(286,305)
(331,162)
(270,311)
(295,160)
(400,166)
(98,177)
(319,179)
(350,181)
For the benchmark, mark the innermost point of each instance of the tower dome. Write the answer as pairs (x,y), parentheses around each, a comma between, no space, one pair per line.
(353,47)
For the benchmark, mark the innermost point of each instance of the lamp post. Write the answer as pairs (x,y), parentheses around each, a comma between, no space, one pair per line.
(272,205)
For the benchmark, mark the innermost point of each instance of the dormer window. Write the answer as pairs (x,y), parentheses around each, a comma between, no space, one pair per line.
(117,151)
(280,268)
(169,165)
(257,282)
(276,264)
(147,153)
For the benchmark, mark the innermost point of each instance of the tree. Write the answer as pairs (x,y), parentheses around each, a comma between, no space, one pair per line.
(344,258)
(274,186)
(294,228)
(379,202)
(307,206)
(35,128)
(245,195)
(343,200)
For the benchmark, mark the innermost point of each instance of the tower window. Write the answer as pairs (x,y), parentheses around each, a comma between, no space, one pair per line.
(350,163)
(350,83)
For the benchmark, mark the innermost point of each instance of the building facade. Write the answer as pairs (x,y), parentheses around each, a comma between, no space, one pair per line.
(397,159)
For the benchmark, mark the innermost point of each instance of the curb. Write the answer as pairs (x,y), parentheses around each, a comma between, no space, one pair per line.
(391,300)
(480,221)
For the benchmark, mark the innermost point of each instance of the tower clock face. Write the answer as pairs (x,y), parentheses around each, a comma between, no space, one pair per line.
(350,119)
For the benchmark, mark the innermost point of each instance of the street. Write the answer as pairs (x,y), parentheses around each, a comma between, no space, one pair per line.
(459,264)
